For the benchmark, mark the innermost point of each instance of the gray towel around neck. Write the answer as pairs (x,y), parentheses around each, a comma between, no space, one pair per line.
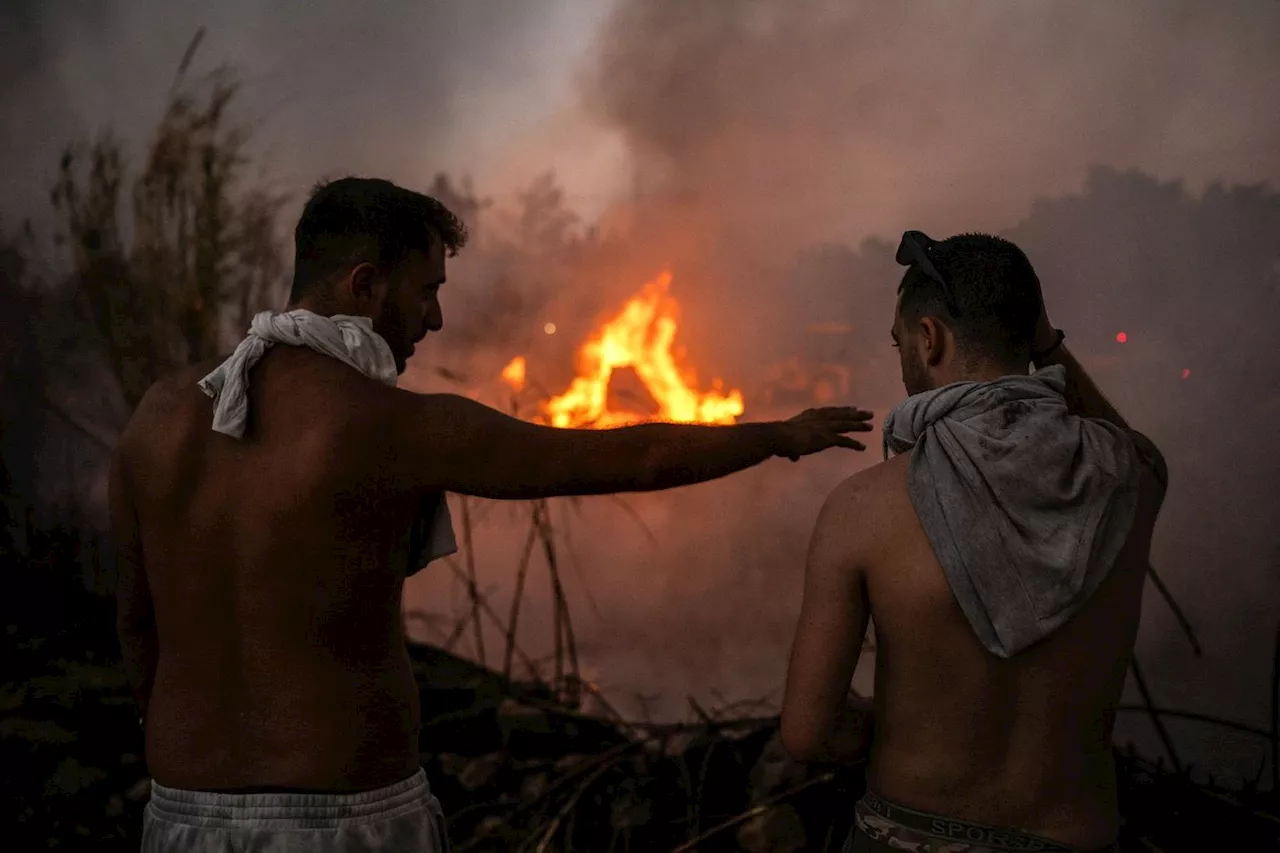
(1026,505)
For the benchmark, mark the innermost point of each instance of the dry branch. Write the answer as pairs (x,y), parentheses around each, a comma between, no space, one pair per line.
(1156,720)
(1183,622)
(760,808)
(517,596)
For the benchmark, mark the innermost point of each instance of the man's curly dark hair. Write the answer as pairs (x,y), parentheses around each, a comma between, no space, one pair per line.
(356,220)
(996,291)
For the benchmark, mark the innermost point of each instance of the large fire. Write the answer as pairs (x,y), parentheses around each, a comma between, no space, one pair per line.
(639,337)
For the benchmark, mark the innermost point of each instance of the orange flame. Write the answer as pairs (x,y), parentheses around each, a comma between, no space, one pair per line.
(513,373)
(639,337)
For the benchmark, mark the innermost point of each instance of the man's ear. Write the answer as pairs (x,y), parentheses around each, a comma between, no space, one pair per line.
(932,341)
(366,289)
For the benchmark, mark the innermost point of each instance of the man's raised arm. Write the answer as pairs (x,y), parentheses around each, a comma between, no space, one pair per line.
(451,443)
(1085,399)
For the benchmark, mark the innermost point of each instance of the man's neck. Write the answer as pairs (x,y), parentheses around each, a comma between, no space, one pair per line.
(978,372)
(322,307)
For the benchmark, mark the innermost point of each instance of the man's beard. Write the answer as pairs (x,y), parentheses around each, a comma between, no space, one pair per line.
(914,376)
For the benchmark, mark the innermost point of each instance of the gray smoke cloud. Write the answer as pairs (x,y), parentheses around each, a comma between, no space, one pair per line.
(829,119)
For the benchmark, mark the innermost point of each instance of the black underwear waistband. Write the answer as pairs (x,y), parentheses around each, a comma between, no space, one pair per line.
(873,812)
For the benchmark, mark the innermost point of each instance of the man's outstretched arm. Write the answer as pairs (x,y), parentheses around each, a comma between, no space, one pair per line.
(455,444)
(822,721)
(135,616)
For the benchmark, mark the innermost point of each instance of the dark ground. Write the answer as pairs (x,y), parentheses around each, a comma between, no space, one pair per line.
(514,769)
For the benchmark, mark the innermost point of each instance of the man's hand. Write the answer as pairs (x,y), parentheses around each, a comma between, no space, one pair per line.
(815,430)
(1046,335)
(1083,396)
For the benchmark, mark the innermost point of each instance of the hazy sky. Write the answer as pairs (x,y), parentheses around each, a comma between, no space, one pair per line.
(398,89)
(861,115)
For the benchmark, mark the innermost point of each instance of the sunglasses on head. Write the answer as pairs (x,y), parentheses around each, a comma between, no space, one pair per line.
(913,251)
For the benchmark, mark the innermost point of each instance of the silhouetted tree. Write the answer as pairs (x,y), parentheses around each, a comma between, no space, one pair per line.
(169,261)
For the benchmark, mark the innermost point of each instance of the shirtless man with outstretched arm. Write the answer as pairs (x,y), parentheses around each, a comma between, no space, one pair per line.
(991,725)
(260,570)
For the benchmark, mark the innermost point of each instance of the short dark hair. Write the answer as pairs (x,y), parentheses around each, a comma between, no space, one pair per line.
(355,220)
(996,293)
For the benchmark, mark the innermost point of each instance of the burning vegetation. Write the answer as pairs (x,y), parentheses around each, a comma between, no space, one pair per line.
(641,336)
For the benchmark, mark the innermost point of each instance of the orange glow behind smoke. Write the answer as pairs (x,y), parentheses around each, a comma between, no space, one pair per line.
(513,373)
(639,337)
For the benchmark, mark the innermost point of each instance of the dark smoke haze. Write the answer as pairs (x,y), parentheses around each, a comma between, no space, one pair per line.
(772,153)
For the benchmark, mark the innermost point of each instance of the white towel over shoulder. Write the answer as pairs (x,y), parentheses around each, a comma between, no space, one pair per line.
(350,340)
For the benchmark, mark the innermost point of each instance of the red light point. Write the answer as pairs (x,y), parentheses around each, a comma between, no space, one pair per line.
(1186,373)
(1121,337)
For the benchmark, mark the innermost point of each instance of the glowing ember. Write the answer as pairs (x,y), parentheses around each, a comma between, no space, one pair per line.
(513,373)
(640,337)
(1121,337)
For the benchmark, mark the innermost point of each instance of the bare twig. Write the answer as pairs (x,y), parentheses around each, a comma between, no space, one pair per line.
(729,708)
(1178,614)
(459,628)
(1193,716)
(573,680)
(702,783)
(568,807)
(706,718)
(594,689)
(487,610)
(827,839)
(601,761)
(758,809)
(572,560)
(187,55)
(557,635)
(1236,804)
(1156,720)
(516,597)
(562,625)
(472,584)
(635,516)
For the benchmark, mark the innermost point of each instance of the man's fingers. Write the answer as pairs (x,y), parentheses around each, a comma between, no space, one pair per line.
(843,441)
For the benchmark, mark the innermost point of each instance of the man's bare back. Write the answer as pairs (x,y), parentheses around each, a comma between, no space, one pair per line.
(276,565)
(1018,742)
(1001,555)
